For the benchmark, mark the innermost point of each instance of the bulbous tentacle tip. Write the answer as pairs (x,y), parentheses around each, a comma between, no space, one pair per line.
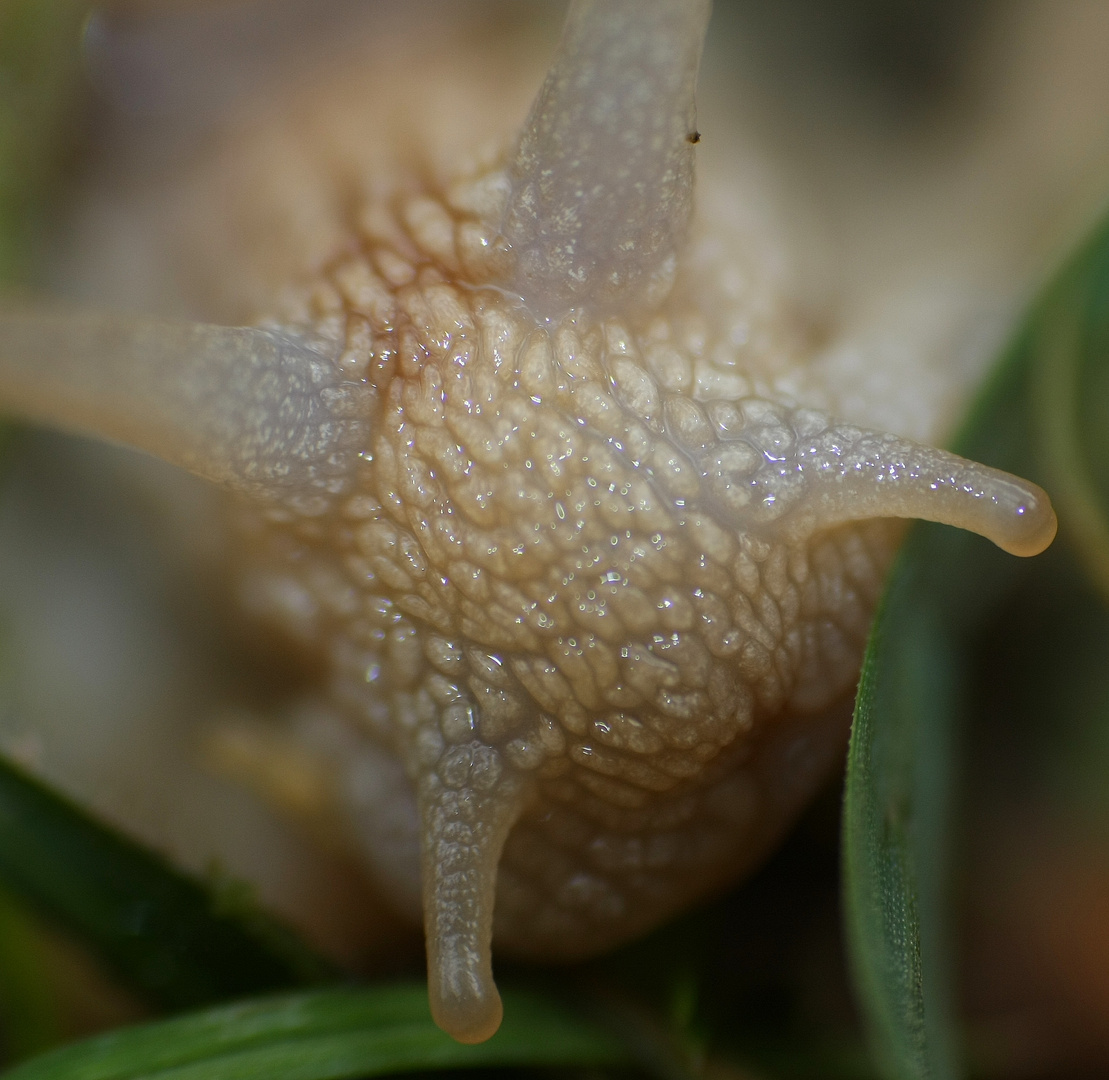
(1025,521)
(469,1016)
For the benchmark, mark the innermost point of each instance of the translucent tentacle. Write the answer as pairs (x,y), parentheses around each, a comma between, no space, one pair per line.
(888,477)
(795,471)
(467,804)
(602,181)
(262,411)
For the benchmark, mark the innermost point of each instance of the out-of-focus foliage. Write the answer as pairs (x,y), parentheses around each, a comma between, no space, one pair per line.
(27,1006)
(175,940)
(39,107)
(327,1035)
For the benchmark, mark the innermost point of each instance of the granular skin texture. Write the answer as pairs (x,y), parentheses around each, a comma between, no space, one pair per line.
(577,583)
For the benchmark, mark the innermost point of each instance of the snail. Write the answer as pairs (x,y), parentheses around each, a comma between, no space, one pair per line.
(538,462)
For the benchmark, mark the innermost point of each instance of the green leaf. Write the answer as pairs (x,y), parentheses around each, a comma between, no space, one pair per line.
(325,1035)
(894,816)
(903,760)
(167,936)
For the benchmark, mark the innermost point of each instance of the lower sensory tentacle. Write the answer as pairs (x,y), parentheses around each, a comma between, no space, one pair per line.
(796,472)
(468,803)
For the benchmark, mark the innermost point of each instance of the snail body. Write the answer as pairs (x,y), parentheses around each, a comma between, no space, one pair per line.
(534,461)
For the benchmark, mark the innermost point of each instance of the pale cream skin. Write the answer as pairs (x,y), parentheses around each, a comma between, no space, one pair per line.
(550,495)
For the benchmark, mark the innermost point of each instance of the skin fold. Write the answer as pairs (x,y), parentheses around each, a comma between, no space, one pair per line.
(533,448)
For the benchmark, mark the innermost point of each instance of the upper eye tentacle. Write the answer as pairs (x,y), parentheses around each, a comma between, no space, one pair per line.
(262,411)
(601,186)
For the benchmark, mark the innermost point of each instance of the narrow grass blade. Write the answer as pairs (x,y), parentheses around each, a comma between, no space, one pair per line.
(894,818)
(326,1035)
(903,758)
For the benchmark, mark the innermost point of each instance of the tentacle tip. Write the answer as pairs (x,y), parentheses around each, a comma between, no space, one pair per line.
(469,1016)
(1029,525)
